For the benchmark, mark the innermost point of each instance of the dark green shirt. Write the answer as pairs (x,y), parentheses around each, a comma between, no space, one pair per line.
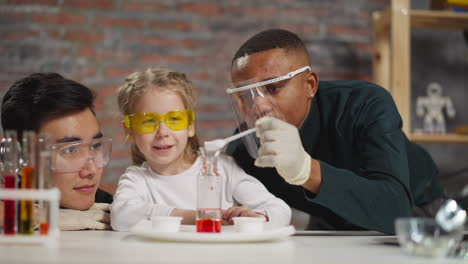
(103,197)
(371,173)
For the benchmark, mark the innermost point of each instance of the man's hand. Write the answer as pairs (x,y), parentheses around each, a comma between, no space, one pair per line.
(96,217)
(236,211)
(281,147)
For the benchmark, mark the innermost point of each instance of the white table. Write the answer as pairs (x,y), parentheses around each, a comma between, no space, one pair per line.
(121,247)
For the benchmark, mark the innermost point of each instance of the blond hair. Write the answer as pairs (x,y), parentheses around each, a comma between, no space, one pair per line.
(139,83)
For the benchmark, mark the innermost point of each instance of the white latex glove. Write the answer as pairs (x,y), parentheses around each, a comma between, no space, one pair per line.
(96,217)
(281,147)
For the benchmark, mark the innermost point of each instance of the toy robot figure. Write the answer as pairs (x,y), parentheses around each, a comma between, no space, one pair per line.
(432,106)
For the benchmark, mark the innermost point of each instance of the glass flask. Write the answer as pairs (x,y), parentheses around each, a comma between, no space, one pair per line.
(209,214)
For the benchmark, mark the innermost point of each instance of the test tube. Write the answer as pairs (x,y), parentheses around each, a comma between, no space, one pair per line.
(28,155)
(209,214)
(10,163)
(44,181)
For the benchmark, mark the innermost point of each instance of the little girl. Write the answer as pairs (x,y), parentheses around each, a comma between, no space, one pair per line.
(158,108)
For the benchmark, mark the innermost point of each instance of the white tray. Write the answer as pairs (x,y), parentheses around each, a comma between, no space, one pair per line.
(188,233)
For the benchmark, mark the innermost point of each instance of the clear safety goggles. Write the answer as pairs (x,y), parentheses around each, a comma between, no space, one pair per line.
(145,123)
(254,100)
(72,157)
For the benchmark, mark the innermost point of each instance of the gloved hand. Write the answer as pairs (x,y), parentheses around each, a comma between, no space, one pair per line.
(96,217)
(281,147)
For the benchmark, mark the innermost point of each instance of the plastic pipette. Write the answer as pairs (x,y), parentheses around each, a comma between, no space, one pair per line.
(217,144)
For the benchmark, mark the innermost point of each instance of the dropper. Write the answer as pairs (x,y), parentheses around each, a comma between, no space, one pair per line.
(217,144)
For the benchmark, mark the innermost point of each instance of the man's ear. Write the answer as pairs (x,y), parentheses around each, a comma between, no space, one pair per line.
(312,80)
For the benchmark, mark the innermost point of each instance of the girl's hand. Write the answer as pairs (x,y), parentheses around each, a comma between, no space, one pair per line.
(236,211)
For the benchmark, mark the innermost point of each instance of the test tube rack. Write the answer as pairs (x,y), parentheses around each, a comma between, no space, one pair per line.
(52,196)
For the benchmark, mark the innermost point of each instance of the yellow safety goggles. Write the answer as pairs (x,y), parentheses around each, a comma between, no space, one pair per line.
(145,123)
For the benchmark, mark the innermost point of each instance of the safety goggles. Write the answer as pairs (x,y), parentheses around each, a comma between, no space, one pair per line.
(263,83)
(254,100)
(145,123)
(72,157)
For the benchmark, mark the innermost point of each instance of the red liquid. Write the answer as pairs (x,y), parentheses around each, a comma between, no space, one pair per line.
(9,214)
(44,228)
(208,225)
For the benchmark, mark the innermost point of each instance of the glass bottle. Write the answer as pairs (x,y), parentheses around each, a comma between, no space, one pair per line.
(209,214)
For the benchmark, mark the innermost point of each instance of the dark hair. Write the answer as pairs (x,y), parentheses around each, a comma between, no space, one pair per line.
(40,97)
(270,39)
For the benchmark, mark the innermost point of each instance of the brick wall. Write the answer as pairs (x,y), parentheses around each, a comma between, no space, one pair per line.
(99,42)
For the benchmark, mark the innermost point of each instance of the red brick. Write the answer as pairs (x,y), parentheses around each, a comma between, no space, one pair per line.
(20,35)
(83,73)
(120,137)
(12,15)
(119,154)
(349,30)
(306,12)
(303,29)
(156,58)
(149,40)
(175,25)
(5,84)
(108,187)
(99,54)
(208,108)
(192,43)
(217,124)
(54,34)
(143,6)
(262,11)
(364,48)
(104,93)
(120,73)
(120,22)
(32,2)
(200,76)
(89,4)
(59,52)
(111,122)
(83,36)
(201,9)
(63,18)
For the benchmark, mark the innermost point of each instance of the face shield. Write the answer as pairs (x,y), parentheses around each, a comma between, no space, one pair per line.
(252,100)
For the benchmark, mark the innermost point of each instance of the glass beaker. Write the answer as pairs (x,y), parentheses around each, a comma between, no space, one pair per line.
(209,214)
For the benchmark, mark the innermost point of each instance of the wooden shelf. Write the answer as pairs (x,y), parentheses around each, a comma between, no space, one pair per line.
(442,138)
(438,19)
(392,53)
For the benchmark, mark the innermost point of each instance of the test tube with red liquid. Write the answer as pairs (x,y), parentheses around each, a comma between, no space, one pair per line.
(209,214)
(28,156)
(10,163)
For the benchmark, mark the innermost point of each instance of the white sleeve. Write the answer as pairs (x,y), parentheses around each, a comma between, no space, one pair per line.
(250,192)
(132,202)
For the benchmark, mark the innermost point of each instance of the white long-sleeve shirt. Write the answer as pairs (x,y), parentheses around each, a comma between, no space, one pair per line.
(142,193)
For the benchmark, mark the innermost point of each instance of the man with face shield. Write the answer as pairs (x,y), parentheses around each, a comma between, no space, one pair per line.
(337,153)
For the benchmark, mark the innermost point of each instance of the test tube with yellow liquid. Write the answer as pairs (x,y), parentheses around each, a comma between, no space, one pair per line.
(28,160)
(44,180)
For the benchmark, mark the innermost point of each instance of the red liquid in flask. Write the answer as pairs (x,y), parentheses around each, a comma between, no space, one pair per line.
(208,225)
(10,207)
(44,228)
